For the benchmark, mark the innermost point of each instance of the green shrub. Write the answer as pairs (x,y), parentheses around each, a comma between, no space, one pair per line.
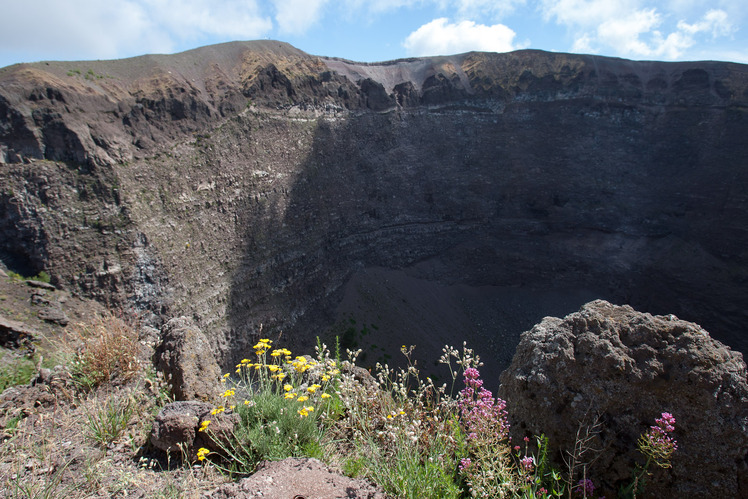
(107,422)
(18,371)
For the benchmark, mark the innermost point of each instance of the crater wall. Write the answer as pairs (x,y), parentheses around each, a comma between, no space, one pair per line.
(423,201)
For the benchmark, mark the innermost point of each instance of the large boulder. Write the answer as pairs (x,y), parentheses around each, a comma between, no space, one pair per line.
(626,368)
(185,358)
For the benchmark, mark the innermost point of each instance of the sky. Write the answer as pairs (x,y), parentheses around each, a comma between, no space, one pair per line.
(376,30)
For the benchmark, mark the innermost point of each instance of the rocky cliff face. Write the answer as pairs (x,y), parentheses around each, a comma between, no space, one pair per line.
(419,201)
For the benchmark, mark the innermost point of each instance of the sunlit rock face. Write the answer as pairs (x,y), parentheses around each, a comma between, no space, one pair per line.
(423,201)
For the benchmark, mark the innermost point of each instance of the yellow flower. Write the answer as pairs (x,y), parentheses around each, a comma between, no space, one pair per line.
(246,361)
(303,398)
(288,388)
(280,376)
(325,395)
(204,425)
(202,453)
(311,389)
(228,393)
(246,402)
(226,375)
(389,416)
(304,411)
(272,368)
(289,395)
(265,340)
(325,378)
(238,371)
(231,407)
(217,410)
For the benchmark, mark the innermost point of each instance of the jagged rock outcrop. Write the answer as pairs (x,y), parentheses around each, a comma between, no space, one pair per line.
(15,334)
(250,184)
(187,362)
(626,368)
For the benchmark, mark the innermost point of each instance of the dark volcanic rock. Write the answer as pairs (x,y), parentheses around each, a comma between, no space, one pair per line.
(14,334)
(186,361)
(53,313)
(177,428)
(176,425)
(627,368)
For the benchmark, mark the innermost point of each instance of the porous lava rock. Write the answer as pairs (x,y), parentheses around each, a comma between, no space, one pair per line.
(176,427)
(185,358)
(297,477)
(627,368)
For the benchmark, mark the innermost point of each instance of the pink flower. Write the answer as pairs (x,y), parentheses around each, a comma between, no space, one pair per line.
(586,486)
(482,414)
(527,463)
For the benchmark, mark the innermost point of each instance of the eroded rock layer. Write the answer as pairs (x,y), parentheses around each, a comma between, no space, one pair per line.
(250,184)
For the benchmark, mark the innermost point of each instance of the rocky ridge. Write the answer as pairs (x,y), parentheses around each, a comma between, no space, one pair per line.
(249,183)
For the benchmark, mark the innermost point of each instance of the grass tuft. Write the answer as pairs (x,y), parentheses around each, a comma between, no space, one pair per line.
(109,420)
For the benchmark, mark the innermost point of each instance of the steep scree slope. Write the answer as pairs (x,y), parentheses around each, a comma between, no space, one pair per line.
(414,201)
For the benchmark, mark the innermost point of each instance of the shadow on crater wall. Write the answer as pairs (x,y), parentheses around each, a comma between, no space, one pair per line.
(562,201)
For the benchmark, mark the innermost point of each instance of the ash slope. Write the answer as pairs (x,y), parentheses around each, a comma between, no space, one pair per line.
(250,183)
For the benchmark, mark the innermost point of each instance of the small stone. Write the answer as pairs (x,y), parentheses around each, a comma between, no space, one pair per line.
(40,284)
(54,314)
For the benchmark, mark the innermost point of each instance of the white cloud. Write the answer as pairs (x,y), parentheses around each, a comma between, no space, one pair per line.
(439,37)
(630,28)
(585,13)
(624,32)
(473,9)
(380,6)
(192,19)
(715,22)
(297,16)
(47,29)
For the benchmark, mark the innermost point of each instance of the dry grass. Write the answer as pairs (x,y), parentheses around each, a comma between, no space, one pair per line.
(106,351)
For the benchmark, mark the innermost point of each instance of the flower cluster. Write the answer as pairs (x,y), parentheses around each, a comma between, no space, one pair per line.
(482,414)
(296,380)
(585,487)
(657,443)
(202,453)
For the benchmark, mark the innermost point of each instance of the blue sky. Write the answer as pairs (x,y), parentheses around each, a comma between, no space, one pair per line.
(377,30)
